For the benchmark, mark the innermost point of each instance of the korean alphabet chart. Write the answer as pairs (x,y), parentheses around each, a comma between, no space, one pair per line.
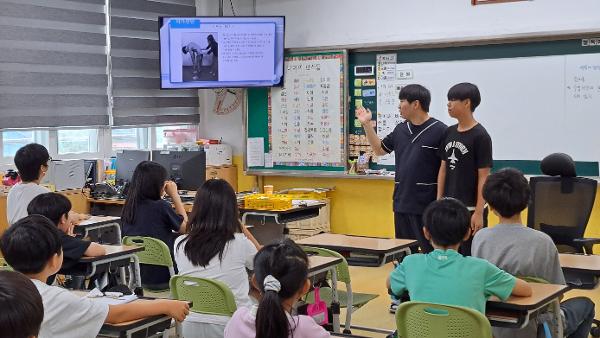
(306,115)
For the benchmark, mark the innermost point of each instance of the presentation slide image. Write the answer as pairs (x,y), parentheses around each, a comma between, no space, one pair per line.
(199,56)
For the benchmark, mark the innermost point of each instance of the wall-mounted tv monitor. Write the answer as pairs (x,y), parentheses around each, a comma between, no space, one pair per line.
(219,52)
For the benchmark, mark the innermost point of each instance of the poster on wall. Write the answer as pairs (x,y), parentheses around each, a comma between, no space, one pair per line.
(306,124)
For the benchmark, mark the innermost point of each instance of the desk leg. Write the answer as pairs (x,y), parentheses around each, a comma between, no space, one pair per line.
(559,323)
(118,232)
(136,272)
(335,303)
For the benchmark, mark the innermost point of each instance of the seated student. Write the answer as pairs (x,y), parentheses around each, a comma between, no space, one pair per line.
(56,208)
(445,276)
(32,163)
(146,214)
(22,309)
(217,246)
(281,275)
(32,246)
(523,251)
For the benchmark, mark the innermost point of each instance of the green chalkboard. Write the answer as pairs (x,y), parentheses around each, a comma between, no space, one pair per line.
(302,73)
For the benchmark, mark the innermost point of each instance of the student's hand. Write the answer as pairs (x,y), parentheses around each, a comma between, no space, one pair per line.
(363,115)
(71,230)
(171,188)
(176,309)
(476,222)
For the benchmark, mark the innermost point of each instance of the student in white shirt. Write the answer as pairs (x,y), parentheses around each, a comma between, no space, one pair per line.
(32,163)
(217,246)
(32,246)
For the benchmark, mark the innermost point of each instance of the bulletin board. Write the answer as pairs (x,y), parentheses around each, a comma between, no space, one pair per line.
(300,127)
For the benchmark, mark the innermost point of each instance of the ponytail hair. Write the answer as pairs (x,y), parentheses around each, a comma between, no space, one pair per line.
(284,265)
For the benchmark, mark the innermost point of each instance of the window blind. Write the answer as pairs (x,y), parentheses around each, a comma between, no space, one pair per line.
(53,63)
(136,94)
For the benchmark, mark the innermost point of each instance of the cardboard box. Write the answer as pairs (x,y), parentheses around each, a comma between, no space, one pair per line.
(226,172)
(218,154)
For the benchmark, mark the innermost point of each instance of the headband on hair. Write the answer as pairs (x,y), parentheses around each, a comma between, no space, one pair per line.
(271,284)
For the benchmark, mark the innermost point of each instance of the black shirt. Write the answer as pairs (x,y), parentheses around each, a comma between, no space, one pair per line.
(213,48)
(155,219)
(73,250)
(417,163)
(465,152)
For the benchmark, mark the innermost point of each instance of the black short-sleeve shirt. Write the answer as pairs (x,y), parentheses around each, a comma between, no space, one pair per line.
(155,219)
(415,150)
(465,152)
(73,250)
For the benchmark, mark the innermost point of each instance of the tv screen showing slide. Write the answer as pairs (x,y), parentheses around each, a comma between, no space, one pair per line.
(217,52)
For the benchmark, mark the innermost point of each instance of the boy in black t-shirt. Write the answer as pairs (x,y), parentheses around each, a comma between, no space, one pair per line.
(56,208)
(466,154)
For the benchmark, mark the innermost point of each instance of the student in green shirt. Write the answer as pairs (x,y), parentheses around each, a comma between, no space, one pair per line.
(445,276)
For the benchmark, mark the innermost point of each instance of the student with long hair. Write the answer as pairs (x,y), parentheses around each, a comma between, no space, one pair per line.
(146,214)
(217,246)
(281,275)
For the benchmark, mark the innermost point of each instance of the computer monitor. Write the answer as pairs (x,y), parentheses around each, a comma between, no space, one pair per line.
(186,168)
(127,160)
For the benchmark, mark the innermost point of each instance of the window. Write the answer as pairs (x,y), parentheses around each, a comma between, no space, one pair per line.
(12,140)
(129,138)
(76,141)
(162,141)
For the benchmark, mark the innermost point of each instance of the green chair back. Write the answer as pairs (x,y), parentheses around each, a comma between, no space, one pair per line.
(209,296)
(4,265)
(156,252)
(343,273)
(426,320)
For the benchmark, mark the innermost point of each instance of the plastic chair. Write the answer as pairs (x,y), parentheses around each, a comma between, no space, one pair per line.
(208,296)
(354,299)
(4,265)
(424,320)
(156,252)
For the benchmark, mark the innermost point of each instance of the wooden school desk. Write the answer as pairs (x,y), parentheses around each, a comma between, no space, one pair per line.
(271,225)
(385,249)
(515,312)
(114,206)
(118,254)
(135,327)
(580,263)
(100,222)
(319,264)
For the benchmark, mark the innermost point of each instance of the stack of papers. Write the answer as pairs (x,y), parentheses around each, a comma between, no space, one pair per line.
(110,298)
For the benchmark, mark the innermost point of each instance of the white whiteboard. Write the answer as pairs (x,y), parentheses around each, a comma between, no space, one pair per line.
(531,106)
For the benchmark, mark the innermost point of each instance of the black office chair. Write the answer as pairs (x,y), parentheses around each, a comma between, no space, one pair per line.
(561,204)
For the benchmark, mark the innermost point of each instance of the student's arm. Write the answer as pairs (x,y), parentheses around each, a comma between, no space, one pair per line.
(477,218)
(250,237)
(171,190)
(441,180)
(522,288)
(145,308)
(364,116)
(94,250)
